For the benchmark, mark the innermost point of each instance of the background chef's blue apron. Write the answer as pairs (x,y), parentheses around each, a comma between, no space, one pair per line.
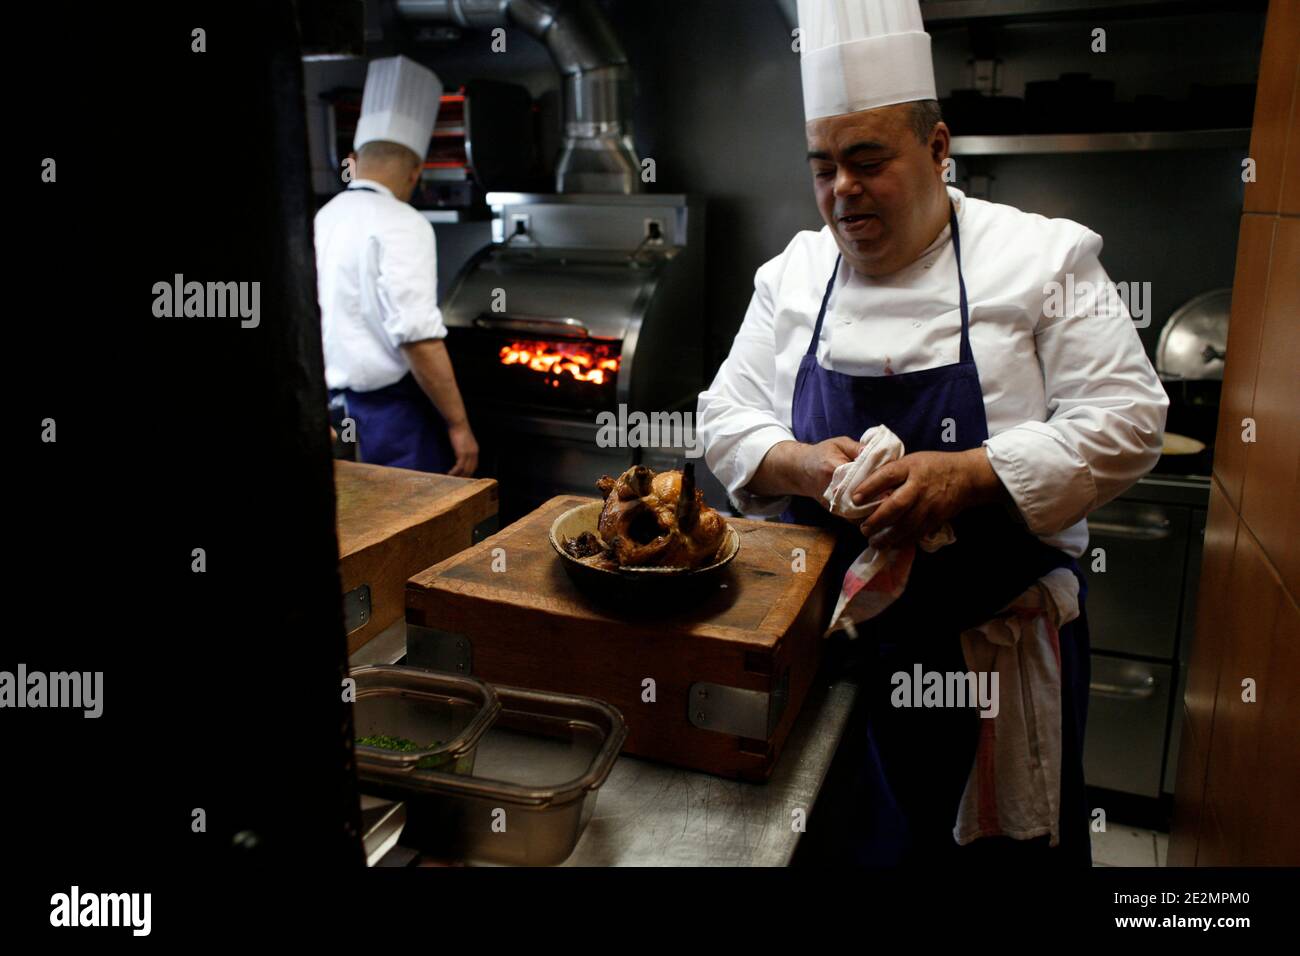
(914,762)
(398,425)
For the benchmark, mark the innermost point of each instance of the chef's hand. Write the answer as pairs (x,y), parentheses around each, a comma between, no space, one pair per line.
(795,468)
(923,490)
(466,449)
(817,463)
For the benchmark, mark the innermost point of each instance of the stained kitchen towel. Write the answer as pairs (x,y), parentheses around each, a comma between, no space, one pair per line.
(876,577)
(1014,788)
(880,446)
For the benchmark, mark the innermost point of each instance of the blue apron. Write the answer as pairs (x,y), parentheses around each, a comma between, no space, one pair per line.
(398,425)
(914,762)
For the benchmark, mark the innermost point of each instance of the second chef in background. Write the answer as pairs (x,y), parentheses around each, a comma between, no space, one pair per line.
(376,266)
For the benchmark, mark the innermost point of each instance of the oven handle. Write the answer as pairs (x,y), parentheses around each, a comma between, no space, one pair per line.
(1130,531)
(1139,690)
(561,325)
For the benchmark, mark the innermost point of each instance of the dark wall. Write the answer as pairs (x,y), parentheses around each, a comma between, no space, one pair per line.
(720,109)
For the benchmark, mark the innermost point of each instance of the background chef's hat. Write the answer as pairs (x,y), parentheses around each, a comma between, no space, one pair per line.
(400,104)
(860,54)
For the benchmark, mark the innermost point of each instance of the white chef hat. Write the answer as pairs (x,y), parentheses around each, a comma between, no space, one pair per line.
(400,104)
(860,54)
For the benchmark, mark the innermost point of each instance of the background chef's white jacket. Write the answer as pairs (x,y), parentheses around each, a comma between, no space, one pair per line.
(1075,411)
(377,280)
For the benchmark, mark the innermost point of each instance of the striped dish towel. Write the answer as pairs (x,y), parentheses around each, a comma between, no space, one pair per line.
(1014,788)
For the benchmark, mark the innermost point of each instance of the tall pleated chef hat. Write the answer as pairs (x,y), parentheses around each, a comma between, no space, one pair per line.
(400,104)
(861,54)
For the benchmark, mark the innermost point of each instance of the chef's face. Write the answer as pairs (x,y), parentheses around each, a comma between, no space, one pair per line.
(878,186)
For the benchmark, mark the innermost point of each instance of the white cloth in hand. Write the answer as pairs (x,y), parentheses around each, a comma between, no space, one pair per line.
(880,447)
(876,578)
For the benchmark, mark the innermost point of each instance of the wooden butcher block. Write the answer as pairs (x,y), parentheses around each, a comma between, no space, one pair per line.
(392,523)
(730,668)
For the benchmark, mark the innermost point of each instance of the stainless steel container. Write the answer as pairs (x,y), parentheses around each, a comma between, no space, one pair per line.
(447,713)
(536,773)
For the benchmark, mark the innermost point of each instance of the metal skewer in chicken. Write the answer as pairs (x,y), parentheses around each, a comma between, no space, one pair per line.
(658,520)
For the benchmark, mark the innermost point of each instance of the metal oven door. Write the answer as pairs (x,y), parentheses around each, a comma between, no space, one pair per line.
(1124,744)
(1134,605)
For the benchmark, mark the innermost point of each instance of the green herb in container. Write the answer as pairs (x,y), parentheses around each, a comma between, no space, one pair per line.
(402,745)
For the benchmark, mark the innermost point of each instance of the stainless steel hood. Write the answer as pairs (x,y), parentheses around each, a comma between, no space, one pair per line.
(582,300)
(576,266)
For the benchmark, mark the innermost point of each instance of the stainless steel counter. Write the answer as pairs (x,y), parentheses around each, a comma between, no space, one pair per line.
(650,814)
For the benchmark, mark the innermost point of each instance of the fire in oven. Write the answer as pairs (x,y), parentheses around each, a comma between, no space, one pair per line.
(560,362)
(553,374)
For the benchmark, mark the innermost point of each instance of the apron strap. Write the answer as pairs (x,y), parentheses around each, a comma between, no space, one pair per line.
(967,356)
(821,314)
(361,189)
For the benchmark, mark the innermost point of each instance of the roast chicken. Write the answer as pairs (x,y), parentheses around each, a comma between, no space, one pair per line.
(652,521)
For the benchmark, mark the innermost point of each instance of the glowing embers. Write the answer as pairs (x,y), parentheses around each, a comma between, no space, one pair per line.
(578,361)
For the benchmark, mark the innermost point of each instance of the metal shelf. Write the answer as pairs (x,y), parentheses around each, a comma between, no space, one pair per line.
(1042,143)
(953,11)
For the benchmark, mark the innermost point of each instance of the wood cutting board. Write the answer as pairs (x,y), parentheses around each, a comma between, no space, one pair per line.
(729,670)
(393,522)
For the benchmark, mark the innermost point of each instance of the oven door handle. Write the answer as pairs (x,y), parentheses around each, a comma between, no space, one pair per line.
(1142,689)
(557,325)
(1131,532)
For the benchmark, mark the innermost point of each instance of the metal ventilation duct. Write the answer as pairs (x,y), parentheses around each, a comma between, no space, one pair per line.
(598,155)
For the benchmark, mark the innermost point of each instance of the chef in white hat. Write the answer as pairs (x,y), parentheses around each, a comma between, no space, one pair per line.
(927,311)
(376,268)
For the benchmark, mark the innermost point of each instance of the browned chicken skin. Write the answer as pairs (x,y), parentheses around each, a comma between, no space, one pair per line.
(659,520)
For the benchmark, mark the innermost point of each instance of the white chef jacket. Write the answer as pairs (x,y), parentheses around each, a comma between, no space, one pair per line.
(1075,411)
(377,281)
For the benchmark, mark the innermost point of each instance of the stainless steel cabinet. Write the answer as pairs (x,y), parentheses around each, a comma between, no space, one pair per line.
(1134,606)
(1124,745)
(1141,614)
